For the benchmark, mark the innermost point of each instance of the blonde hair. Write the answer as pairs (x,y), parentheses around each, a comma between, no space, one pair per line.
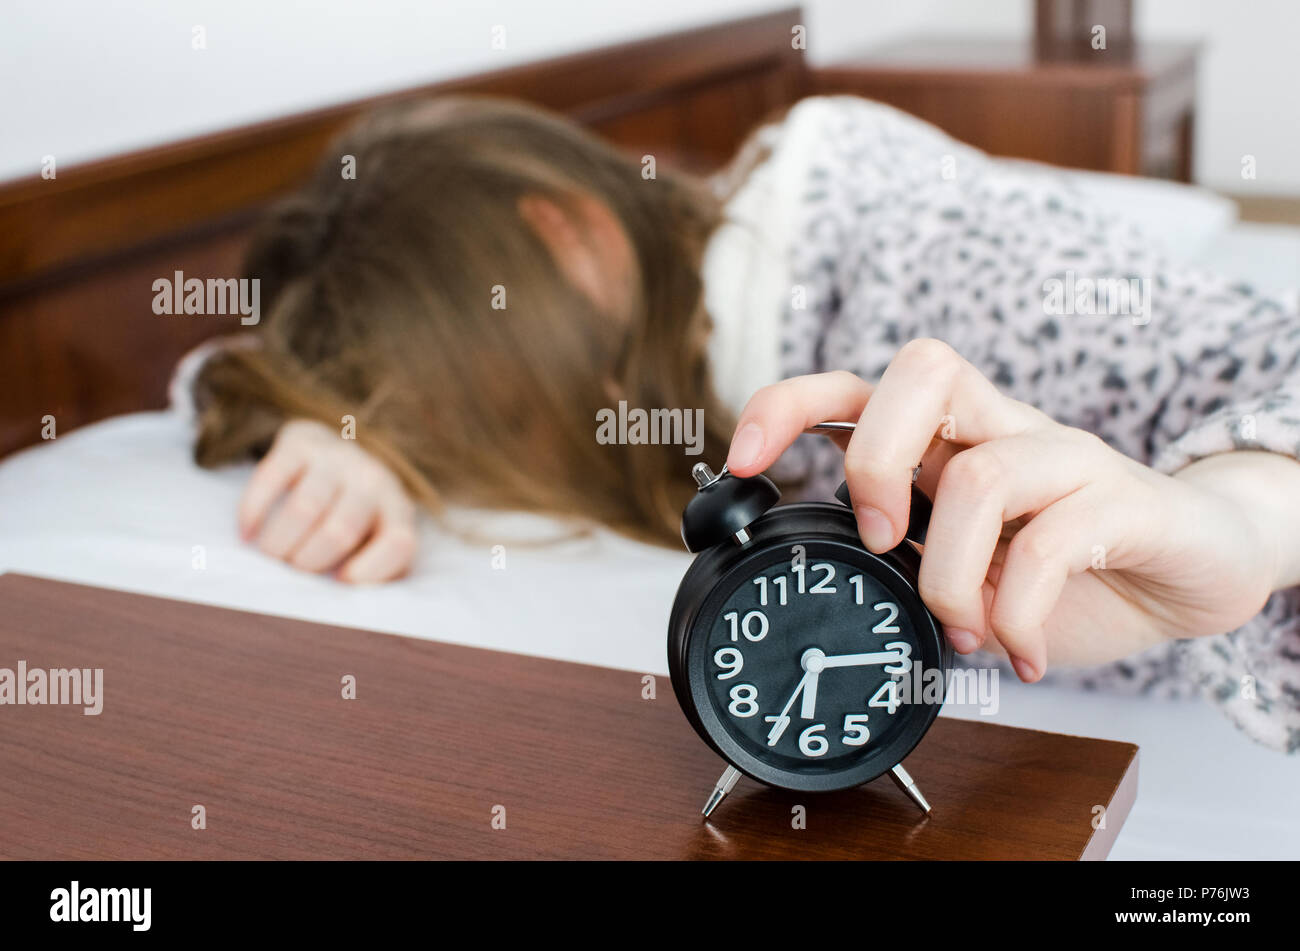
(378,297)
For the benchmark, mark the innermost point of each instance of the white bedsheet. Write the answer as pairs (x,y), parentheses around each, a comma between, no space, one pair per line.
(120,505)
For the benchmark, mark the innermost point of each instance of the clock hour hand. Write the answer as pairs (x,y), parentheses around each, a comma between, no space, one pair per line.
(812,662)
(808,709)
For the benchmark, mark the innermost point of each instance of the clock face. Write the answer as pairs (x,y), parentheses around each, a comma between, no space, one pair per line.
(809,661)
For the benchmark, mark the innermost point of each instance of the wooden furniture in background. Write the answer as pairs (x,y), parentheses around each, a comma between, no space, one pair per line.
(1127,110)
(243,714)
(78,254)
(1064,29)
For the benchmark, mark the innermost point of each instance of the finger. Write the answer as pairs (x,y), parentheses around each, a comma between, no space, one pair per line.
(1064,539)
(776,415)
(925,387)
(387,555)
(932,464)
(339,532)
(277,471)
(979,491)
(298,513)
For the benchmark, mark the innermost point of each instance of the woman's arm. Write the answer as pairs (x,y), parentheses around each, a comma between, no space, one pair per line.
(1265,488)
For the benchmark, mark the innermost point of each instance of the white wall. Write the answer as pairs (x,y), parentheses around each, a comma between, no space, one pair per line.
(1249,94)
(840,27)
(80,79)
(1248,98)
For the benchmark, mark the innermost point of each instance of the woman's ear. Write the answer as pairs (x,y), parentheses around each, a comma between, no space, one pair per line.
(551,223)
(593,253)
(613,389)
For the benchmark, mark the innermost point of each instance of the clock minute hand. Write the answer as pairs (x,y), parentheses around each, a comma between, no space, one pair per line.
(861,660)
(782,719)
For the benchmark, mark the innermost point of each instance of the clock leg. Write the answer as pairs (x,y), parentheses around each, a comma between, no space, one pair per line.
(720,789)
(905,783)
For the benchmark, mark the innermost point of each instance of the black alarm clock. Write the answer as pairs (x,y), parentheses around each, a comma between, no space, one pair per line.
(803,659)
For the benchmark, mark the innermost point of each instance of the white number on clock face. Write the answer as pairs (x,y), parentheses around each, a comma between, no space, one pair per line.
(730,660)
(782,585)
(754,626)
(797,700)
(744,700)
(886,697)
(855,729)
(823,586)
(811,742)
(904,650)
(886,626)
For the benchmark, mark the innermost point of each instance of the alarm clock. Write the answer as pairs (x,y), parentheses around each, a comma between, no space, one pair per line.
(803,659)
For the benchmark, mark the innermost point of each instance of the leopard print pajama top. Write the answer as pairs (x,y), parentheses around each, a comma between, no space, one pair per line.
(875,228)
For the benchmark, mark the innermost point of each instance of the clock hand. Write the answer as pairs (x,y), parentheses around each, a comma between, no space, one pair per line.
(809,708)
(782,719)
(813,662)
(861,660)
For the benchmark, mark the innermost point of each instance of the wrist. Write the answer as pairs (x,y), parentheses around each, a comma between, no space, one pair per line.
(1264,490)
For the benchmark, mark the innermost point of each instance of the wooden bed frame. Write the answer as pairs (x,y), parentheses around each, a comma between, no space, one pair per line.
(79,253)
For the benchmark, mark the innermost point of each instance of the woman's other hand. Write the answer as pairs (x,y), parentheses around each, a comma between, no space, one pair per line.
(322,503)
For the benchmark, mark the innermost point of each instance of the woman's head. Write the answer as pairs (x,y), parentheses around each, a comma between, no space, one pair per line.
(490,279)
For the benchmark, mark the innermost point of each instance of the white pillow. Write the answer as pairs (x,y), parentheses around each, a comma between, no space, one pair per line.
(1184,219)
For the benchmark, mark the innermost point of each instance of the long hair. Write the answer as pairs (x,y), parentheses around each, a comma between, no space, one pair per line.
(415,299)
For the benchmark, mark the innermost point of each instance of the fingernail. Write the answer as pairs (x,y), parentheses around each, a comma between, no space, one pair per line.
(745,447)
(1024,670)
(962,640)
(877,530)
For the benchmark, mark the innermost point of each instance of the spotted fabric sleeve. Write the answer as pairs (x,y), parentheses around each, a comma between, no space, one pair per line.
(905,233)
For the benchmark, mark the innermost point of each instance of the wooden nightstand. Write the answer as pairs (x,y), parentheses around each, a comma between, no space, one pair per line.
(1128,109)
(245,714)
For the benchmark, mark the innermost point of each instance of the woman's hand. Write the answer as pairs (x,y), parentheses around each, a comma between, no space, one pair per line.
(339,507)
(1042,536)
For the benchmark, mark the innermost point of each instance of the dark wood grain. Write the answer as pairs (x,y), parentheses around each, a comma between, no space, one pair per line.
(243,714)
(79,253)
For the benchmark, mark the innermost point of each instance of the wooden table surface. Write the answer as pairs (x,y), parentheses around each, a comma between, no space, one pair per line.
(244,714)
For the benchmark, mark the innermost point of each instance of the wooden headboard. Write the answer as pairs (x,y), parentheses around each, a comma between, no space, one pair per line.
(79,253)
